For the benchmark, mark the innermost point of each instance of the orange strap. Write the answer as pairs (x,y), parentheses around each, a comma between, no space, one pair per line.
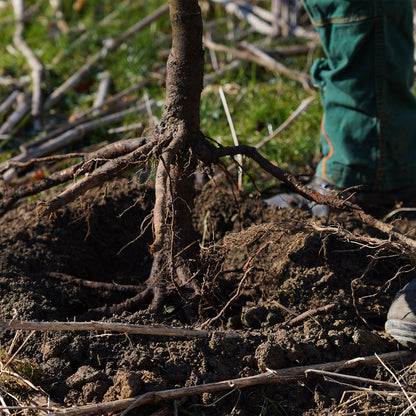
(331,150)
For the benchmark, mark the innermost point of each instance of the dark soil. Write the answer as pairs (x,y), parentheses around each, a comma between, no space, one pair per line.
(291,265)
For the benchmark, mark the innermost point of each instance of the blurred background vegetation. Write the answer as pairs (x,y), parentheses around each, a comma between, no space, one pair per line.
(64,34)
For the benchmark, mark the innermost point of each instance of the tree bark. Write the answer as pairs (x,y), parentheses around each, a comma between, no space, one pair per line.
(178,128)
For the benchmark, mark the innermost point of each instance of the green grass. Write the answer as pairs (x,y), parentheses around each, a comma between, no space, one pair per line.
(257,98)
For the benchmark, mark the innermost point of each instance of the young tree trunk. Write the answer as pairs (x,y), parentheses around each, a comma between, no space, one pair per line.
(178,128)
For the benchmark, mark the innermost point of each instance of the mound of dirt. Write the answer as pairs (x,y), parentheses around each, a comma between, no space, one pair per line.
(274,265)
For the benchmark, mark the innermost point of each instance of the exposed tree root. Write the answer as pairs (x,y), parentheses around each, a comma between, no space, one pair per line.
(177,144)
(132,304)
(94,285)
(10,195)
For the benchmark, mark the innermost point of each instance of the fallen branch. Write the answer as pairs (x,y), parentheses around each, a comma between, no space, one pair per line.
(115,99)
(275,65)
(71,136)
(211,154)
(272,377)
(254,54)
(12,324)
(110,106)
(11,195)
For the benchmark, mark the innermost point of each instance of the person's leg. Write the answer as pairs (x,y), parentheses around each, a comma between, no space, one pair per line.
(369,123)
(368,128)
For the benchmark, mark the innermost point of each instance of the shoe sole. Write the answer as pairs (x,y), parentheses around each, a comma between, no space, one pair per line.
(403,332)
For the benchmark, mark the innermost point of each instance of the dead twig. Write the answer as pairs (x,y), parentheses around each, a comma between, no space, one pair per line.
(312,312)
(112,105)
(109,45)
(271,377)
(102,91)
(22,108)
(400,385)
(247,269)
(275,65)
(112,326)
(302,107)
(11,195)
(70,137)
(254,54)
(4,106)
(356,379)
(255,16)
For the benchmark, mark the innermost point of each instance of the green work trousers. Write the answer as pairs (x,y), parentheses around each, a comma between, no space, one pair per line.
(369,124)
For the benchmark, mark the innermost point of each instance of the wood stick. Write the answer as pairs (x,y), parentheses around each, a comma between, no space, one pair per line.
(248,13)
(23,106)
(32,60)
(239,158)
(297,320)
(108,152)
(124,129)
(332,201)
(109,45)
(290,50)
(254,54)
(271,377)
(112,326)
(71,137)
(17,83)
(357,379)
(275,65)
(302,107)
(275,9)
(115,99)
(100,113)
(8,101)
(102,92)
(239,54)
